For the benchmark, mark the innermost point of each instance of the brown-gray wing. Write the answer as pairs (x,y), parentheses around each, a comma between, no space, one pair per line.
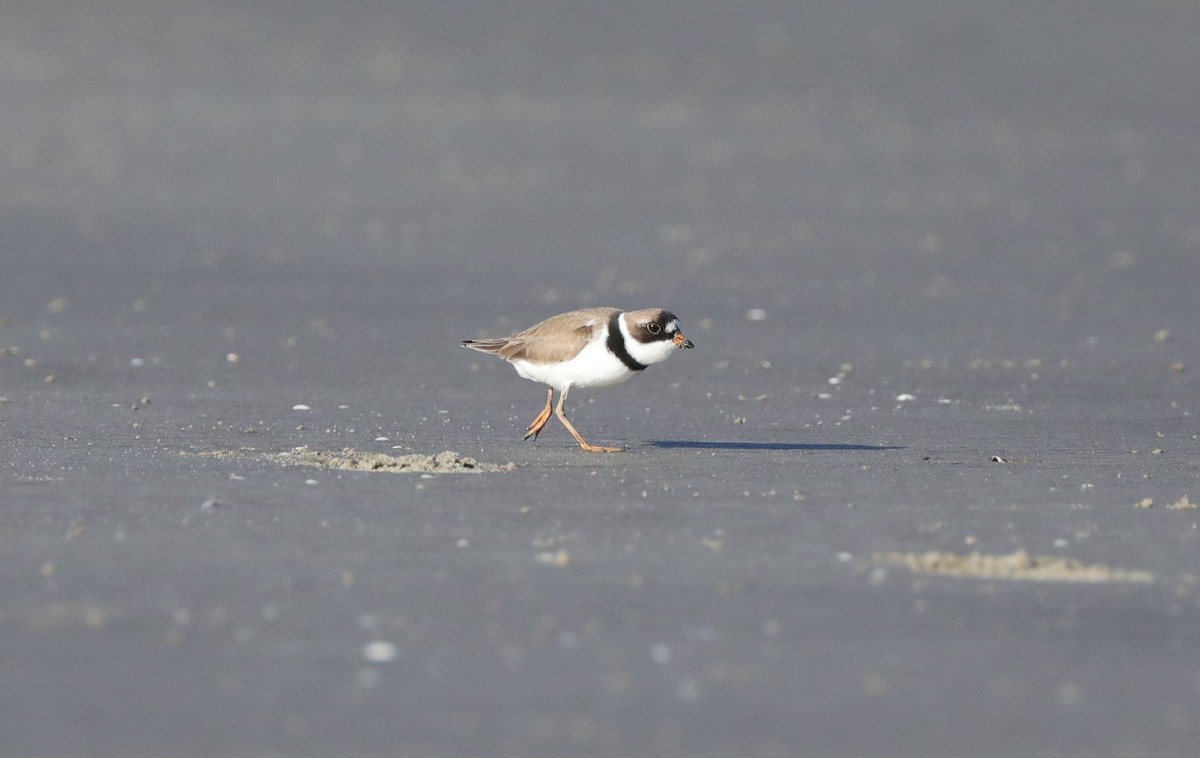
(558,338)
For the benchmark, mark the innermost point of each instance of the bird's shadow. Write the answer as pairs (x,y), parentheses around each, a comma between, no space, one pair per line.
(735,445)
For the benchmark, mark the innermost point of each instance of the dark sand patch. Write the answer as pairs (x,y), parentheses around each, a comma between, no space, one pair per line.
(1016,566)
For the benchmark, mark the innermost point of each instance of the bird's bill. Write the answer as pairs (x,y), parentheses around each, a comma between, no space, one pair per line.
(682,342)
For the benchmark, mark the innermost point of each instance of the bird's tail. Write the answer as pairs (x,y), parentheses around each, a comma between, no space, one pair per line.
(486,346)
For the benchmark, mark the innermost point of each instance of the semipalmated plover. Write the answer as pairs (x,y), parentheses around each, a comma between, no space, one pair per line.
(593,347)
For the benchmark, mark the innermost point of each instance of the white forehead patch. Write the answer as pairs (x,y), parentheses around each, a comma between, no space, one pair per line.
(673,326)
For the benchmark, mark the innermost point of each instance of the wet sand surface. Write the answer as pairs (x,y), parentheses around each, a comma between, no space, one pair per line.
(925,487)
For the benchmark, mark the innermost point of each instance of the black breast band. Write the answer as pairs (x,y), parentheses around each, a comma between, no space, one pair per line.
(616,345)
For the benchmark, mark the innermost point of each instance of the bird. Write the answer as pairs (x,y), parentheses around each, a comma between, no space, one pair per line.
(592,347)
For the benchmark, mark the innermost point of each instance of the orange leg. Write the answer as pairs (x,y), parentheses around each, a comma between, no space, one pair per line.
(535,428)
(562,416)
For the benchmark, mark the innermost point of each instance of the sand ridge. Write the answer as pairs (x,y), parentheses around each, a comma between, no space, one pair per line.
(349,459)
(1017,565)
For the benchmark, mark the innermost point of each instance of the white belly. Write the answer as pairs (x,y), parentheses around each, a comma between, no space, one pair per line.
(595,366)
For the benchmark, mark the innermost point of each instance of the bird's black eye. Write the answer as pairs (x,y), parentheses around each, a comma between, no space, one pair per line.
(653,328)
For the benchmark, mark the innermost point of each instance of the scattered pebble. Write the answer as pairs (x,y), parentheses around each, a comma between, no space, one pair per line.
(756,314)
(905,398)
(1162,335)
(1183,504)
(558,558)
(379,651)
(1009,407)
(210,504)
(1145,502)
(301,407)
